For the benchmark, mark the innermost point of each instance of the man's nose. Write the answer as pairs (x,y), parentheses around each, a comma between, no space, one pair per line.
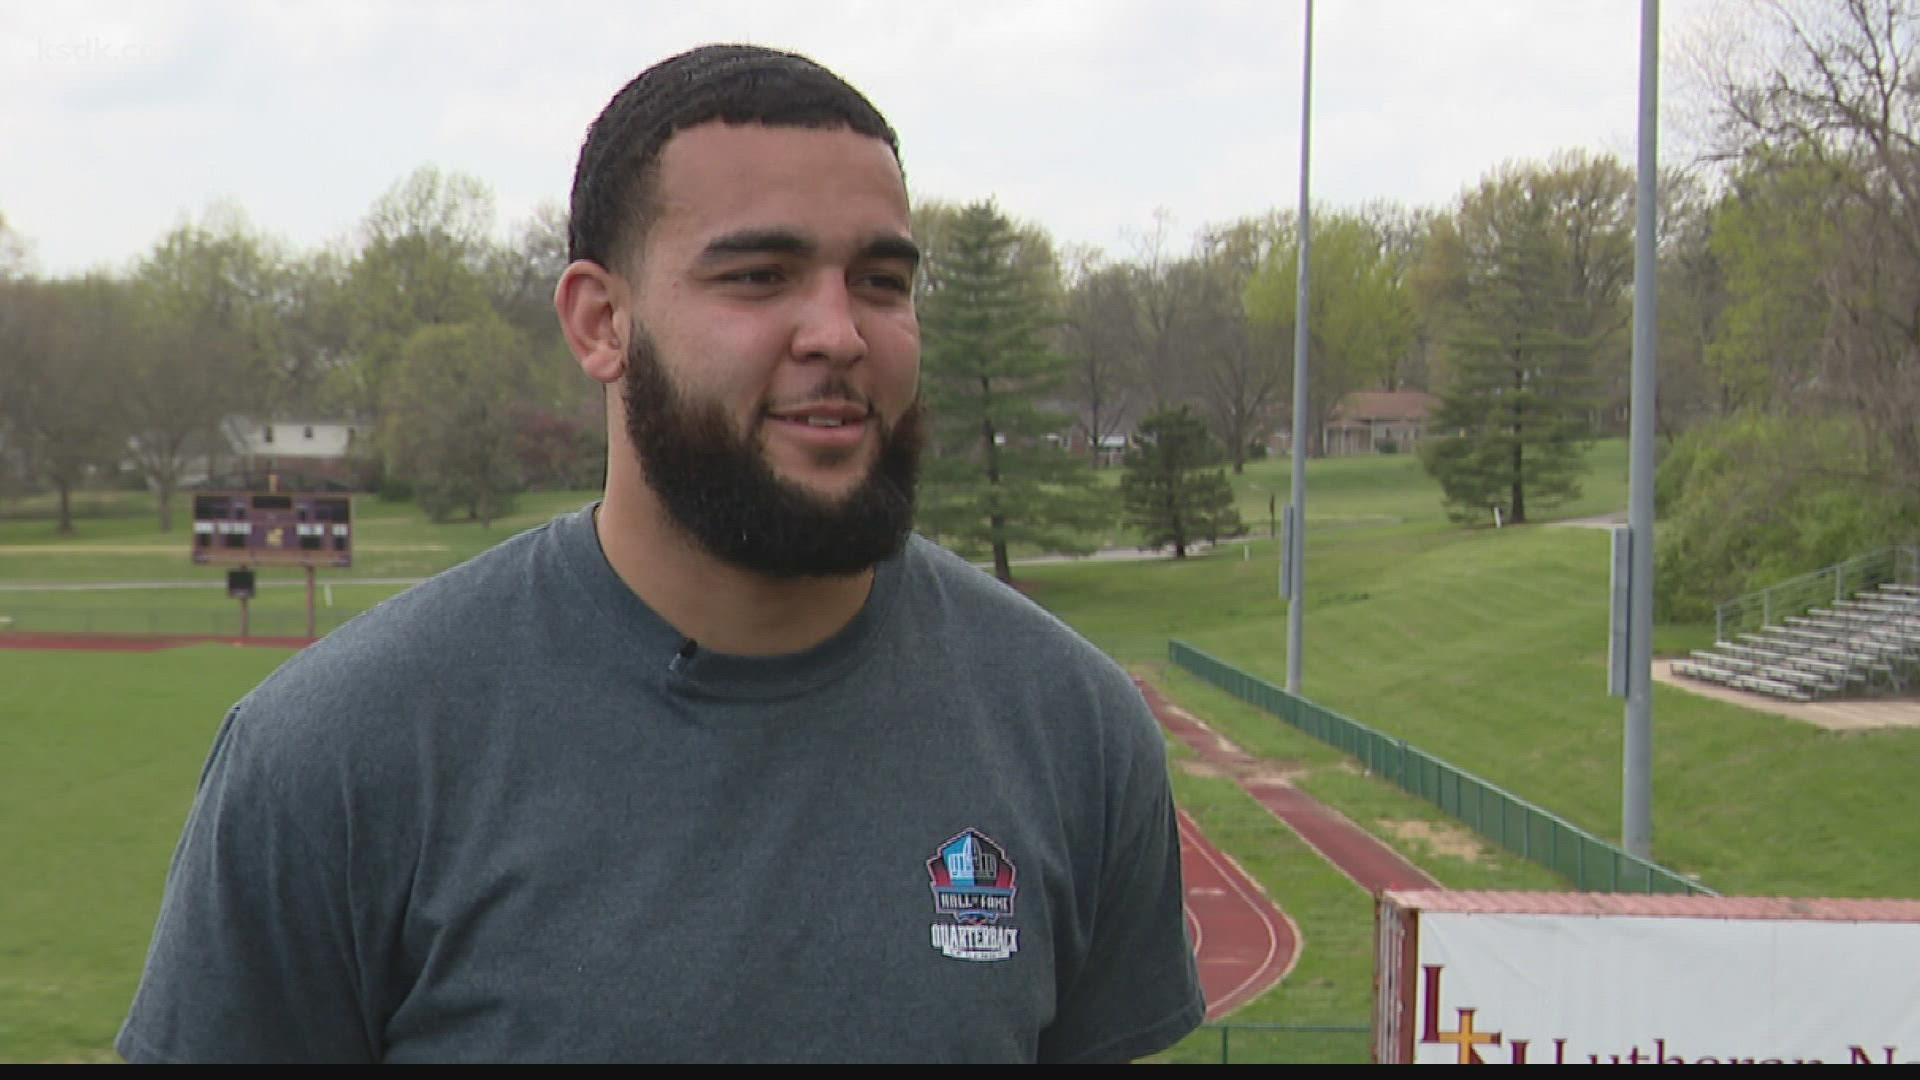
(829,326)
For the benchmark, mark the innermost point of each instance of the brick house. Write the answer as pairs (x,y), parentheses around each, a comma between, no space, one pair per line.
(1378,421)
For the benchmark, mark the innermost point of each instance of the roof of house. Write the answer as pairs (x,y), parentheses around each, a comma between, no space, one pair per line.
(1364,405)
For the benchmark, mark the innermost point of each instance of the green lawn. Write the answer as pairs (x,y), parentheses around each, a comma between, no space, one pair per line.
(99,754)
(1487,648)
(1483,646)
(1392,489)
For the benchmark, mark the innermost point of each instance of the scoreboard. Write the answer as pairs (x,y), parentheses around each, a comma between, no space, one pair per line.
(255,528)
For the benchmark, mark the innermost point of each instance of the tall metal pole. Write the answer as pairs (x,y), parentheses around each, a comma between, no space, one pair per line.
(1297,534)
(1637,788)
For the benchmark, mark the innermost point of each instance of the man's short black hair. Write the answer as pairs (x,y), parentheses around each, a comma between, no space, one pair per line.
(613,184)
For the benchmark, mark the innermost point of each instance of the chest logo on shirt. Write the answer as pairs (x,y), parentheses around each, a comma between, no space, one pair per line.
(973,885)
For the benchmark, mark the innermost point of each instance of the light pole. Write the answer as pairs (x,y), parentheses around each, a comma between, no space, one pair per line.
(1294,576)
(1636,798)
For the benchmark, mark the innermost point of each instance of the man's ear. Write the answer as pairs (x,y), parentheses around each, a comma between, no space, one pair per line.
(592,304)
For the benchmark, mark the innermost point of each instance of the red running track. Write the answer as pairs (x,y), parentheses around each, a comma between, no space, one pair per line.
(1235,925)
(1242,944)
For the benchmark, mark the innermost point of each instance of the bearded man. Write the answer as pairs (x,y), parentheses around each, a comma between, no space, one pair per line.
(729,765)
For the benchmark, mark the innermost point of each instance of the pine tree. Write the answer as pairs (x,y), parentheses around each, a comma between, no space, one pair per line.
(993,478)
(1512,425)
(1543,257)
(1170,496)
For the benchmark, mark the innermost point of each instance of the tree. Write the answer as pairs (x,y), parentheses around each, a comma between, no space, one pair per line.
(994,479)
(62,399)
(1542,257)
(15,263)
(1169,494)
(1775,232)
(521,275)
(1828,117)
(449,423)
(1236,361)
(933,223)
(1692,306)
(16,254)
(16,299)
(205,310)
(562,423)
(1403,234)
(1749,500)
(1164,316)
(1094,338)
(1359,320)
(424,263)
(312,371)
(561,450)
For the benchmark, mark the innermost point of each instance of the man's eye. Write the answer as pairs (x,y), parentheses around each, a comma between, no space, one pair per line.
(760,276)
(888,282)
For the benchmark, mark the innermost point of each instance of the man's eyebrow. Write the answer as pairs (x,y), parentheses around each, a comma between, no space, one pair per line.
(892,247)
(756,242)
(787,242)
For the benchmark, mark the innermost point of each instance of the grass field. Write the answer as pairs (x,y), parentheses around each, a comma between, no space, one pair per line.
(1483,646)
(1488,649)
(99,754)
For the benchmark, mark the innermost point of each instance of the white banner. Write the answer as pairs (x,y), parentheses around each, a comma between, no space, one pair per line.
(1545,989)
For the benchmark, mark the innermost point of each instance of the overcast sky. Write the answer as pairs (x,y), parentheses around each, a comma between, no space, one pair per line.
(119,120)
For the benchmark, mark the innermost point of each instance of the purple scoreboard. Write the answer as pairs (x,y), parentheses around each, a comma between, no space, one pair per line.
(258,528)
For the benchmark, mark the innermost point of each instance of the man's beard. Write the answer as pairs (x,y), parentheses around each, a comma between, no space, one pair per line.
(716,485)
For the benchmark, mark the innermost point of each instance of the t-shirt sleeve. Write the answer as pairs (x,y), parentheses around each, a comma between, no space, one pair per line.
(252,957)
(1137,990)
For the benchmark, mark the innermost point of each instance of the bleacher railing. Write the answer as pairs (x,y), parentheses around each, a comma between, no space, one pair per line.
(1592,864)
(1825,586)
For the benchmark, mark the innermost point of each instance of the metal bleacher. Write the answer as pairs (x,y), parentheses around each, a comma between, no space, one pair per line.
(1864,640)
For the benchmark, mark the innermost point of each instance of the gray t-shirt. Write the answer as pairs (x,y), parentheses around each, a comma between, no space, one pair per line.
(507,816)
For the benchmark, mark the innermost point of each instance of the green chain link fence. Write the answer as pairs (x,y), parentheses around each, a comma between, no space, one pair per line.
(1592,864)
